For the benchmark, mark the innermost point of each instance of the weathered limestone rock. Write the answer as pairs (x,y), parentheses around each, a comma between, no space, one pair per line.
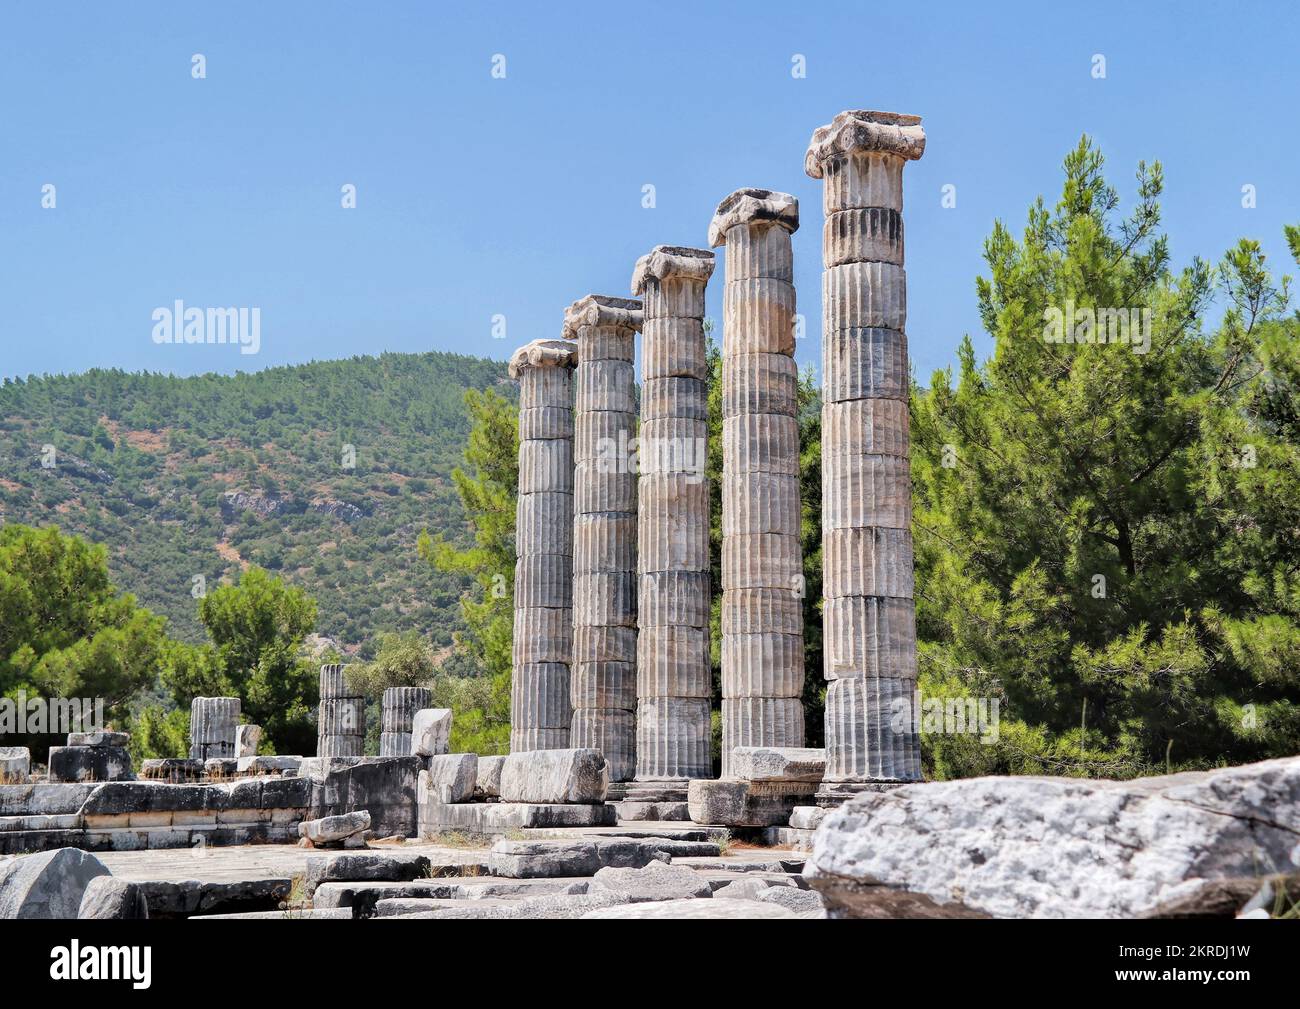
(1185,845)
(767,763)
(656,881)
(212,727)
(496,818)
(270,763)
(450,777)
(602,681)
(540,709)
(174,769)
(808,817)
(719,908)
(341,731)
(385,786)
(551,859)
(543,859)
(399,707)
(674,681)
(488,783)
(367,866)
(248,738)
(805,903)
(733,803)
(90,763)
(762,562)
(431,732)
(15,764)
(99,738)
(106,897)
(333,829)
(869,617)
(561,776)
(47,885)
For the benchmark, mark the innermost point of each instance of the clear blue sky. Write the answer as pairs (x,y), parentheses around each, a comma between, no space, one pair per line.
(479,196)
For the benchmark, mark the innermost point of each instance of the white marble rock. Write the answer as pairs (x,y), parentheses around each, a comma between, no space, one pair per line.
(431,732)
(450,777)
(656,881)
(559,776)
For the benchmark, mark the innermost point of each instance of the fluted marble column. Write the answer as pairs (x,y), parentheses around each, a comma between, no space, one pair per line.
(540,711)
(399,707)
(212,727)
(762,562)
(869,615)
(674,677)
(602,683)
(341,725)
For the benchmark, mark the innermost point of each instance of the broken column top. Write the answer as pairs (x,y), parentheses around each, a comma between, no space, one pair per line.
(665,261)
(747,206)
(601,310)
(543,354)
(862,130)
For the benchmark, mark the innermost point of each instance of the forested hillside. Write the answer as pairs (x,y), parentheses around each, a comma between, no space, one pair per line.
(324,474)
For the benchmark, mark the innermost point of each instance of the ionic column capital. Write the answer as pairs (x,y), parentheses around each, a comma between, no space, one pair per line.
(752,206)
(665,262)
(601,310)
(862,130)
(543,354)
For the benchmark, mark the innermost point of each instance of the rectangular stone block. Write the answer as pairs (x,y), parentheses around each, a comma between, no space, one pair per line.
(773,763)
(562,776)
(450,777)
(431,731)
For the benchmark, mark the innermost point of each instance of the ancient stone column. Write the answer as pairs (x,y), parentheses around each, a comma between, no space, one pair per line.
(399,708)
(869,618)
(341,722)
(762,561)
(539,690)
(674,677)
(602,686)
(212,727)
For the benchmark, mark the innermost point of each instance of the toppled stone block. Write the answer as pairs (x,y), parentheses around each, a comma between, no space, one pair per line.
(90,763)
(807,817)
(533,859)
(717,908)
(431,732)
(99,738)
(549,859)
(248,738)
(752,888)
(173,769)
(48,885)
(334,829)
(502,817)
(1183,845)
(176,899)
(368,867)
(119,899)
(450,777)
(770,763)
(741,803)
(15,763)
(488,784)
(656,881)
(805,903)
(567,776)
(269,764)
